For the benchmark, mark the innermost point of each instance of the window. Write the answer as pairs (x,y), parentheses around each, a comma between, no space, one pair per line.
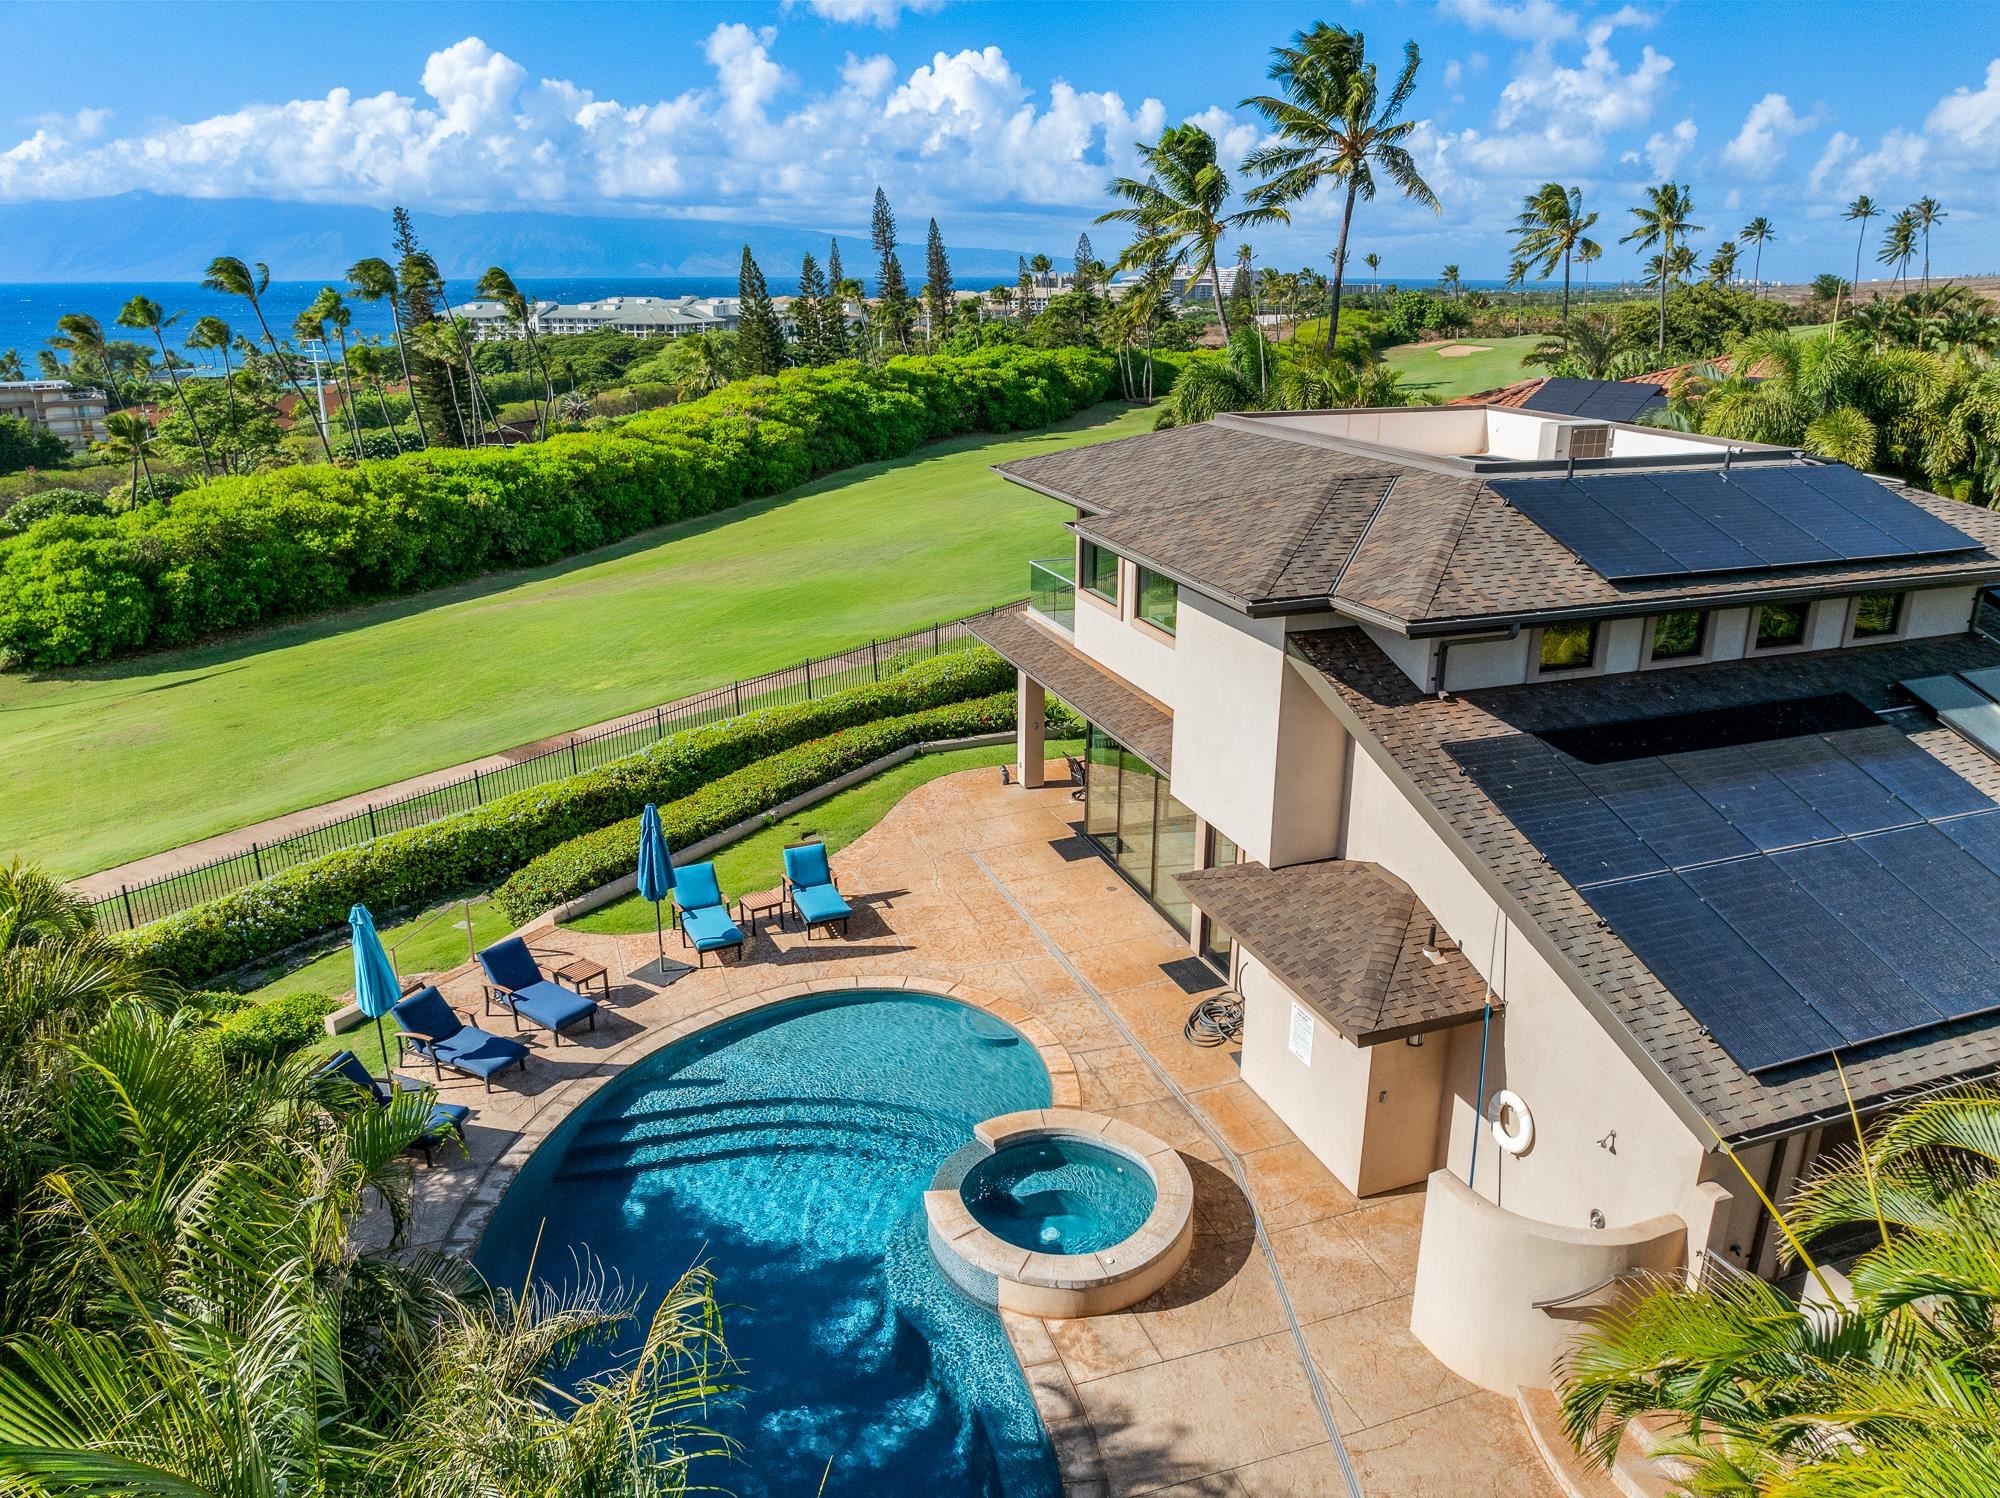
(1680,636)
(1100,571)
(1877,614)
(1569,647)
(1781,626)
(1159,600)
(1146,832)
(1216,937)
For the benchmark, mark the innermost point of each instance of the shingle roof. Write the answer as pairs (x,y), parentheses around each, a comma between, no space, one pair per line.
(1127,714)
(1265,520)
(1410,733)
(1349,939)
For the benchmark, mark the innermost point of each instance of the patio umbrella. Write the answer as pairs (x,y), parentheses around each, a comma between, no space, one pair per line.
(376,988)
(656,871)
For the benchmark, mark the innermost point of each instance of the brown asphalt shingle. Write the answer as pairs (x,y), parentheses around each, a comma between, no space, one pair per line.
(1127,714)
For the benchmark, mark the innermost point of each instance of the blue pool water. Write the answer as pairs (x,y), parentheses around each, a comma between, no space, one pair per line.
(1059,1196)
(790,1148)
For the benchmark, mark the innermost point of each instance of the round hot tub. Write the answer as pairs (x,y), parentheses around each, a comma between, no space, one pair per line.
(1059,1212)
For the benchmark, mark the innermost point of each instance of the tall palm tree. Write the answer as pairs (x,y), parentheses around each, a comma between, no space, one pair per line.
(81,336)
(145,315)
(450,336)
(1859,211)
(1179,213)
(213,335)
(309,328)
(499,286)
(1722,263)
(1448,281)
(369,361)
(232,277)
(1899,244)
(10,365)
(129,432)
(1374,263)
(1665,218)
(1334,126)
(1929,214)
(374,280)
(1552,229)
(1587,254)
(1756,232)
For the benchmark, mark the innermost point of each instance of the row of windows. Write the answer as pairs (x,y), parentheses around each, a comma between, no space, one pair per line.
(1159,598)
(1685,634)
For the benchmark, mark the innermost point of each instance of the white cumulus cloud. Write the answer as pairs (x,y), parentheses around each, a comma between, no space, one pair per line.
(883,13)
(1759,146)
(1969,119)
(1524,20)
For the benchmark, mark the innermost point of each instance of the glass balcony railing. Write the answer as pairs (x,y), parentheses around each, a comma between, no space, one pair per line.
(1052,591)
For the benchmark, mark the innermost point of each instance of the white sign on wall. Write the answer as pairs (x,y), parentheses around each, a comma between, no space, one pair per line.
(1302,1032)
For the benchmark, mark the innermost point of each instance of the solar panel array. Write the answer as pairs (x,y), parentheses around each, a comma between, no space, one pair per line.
(1803,879)
(1628,526)
(1600,400)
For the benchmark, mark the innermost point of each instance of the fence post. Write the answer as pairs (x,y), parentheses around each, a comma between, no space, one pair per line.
(934,639)
(572,754)
(125,894)
(659,725)
(371,819)
(739,698)
(256,860)
(478,792)
(809,678)
(875,659)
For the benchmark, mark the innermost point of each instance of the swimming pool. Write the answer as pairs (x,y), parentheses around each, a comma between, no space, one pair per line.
(791,1147)
(1059,1196)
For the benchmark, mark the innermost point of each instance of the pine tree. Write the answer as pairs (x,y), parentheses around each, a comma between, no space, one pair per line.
(833,313)
(1086,263)
(760,341)
(937,285)
(891,290)
(805,312)
(430,380)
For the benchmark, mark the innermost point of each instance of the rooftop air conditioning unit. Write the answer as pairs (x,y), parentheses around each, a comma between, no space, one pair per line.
(1584,439)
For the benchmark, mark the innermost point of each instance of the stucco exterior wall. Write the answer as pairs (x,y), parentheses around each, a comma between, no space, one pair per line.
(1110,637)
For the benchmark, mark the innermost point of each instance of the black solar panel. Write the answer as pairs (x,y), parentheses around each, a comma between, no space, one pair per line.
(1627,526)
(1801,875)
(1600,400)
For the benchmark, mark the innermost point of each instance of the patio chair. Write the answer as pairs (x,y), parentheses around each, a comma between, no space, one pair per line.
(1076,774)
(705,922)
(812,890)
(446,1120)
(431,1028)
(513,979)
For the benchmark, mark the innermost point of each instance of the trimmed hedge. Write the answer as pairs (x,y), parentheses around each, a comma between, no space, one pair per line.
(300,541)
(584,863)
(267,1032)
(485,844)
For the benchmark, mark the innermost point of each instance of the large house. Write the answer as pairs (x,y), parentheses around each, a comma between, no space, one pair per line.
(636,316)
(1565,800)
(57,407)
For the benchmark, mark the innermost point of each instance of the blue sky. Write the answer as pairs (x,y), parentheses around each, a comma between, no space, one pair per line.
(1004,120)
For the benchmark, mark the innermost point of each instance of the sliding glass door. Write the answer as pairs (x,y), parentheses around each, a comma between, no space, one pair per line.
(1130,814)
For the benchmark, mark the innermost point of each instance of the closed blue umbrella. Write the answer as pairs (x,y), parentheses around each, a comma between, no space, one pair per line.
(376,987)
(656,871)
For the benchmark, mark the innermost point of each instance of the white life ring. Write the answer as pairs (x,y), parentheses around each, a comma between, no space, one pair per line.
(1513,1125)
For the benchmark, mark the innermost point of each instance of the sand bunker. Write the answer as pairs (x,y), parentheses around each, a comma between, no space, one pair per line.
(1460,350)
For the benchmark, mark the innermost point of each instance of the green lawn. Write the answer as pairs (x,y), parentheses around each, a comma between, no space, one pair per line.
(757,863)
(102,765)
(1426,373)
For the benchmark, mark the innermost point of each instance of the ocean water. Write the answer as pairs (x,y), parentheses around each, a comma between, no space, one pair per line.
(791,1148)
(28,312)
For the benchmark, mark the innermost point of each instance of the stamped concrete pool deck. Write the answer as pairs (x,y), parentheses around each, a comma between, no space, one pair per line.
(1277,1360)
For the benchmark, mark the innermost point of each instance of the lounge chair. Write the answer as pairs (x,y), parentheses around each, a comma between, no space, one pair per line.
(812,890)
(514,980)
(446,1120)
(705,922)
(431,1029)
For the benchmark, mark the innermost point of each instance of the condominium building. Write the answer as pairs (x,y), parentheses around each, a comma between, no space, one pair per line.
(76,416)
(1569,801)
(635,316)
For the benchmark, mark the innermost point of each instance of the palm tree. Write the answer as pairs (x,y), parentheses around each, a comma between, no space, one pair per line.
(327,307)
(1591,347)
(1314,380)
(1374,263)
(370,361)
(1664,218)
(232,277)
(1552,229)
(1448,282)
(1899,245)
(1859,211)
(10,365)
(81,336)
(1722,263)
(374,280)
(213,335)
(497,285)
(700,362)
(143,314)
(1929,214)
(1178,214)
(1587,255)
(1333,126)
(1756,232)
(455,342)
(129,432)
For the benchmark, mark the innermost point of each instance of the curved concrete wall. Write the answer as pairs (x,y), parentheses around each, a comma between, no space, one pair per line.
(1480,1270)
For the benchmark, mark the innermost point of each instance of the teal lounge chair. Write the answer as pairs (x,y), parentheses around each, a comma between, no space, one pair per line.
(431,1029)
(447,1119)
(811,890)
(705,922)
(515,981)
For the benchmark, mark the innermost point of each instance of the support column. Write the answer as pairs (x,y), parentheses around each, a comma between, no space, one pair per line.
(1030,721)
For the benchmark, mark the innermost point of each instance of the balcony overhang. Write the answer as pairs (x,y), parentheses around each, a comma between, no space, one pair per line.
(1135,720)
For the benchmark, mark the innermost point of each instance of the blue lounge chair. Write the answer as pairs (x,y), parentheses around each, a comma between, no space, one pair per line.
(447,1119)
(705,921)
(513,978)
(431,1029)
(812,890)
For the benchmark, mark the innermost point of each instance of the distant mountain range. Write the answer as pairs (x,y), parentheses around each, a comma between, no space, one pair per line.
(144,237)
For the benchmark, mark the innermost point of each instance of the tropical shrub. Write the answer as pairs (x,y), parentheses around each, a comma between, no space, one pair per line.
(23,445)
(302,540)
(489,842)
(258,1034)
(43,503)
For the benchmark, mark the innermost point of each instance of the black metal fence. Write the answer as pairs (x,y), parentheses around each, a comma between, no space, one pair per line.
(136,905)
